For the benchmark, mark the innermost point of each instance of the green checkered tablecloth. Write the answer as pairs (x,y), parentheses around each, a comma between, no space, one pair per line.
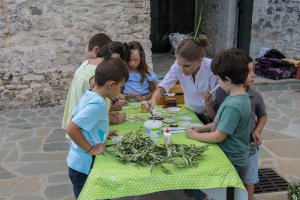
(111,179)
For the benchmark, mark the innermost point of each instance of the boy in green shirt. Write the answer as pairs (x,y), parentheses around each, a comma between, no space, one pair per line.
(231,126)
(257,123)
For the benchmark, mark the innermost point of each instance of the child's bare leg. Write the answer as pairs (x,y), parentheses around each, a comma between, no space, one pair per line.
(250,190)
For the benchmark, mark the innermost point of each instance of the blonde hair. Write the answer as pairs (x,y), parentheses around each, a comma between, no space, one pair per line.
(193,50)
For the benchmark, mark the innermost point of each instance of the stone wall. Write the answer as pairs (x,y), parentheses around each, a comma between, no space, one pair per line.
(42,43)
(275,24)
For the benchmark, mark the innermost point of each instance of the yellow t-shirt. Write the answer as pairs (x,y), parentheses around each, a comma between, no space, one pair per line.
(79,85)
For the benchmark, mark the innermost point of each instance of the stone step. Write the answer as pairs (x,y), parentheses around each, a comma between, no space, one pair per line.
(263,84)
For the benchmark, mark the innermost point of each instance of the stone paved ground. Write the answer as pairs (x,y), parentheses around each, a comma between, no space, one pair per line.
(33,149)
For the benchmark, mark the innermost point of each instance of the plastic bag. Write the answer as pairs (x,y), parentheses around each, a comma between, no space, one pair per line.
(176,38)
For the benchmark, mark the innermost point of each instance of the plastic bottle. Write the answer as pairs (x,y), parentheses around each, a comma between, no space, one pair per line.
(167,136)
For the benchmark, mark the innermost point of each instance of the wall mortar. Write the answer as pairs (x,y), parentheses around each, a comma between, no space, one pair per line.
(275,24)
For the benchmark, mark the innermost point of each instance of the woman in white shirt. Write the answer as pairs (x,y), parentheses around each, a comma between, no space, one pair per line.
(193,71)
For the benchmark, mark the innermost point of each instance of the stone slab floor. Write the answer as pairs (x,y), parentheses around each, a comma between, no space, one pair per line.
(33,149)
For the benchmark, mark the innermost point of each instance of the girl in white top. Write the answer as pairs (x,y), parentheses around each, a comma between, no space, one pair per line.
(193,71)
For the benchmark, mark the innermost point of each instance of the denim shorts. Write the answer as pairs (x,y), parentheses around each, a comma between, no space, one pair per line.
(249,173)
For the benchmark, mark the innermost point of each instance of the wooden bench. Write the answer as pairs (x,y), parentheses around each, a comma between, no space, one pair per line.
(179,95)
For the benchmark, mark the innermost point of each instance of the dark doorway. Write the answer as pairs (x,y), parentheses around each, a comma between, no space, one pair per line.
(244,24)
(170,16)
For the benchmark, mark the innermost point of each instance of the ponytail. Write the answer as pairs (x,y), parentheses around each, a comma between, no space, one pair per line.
(203,40)
(193,50)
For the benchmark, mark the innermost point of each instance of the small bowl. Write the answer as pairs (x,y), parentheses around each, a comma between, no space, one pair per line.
(185,119)
(184,123)
(152,128)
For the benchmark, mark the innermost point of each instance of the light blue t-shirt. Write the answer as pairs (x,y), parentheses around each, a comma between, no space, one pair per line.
(134,85)
(91,116)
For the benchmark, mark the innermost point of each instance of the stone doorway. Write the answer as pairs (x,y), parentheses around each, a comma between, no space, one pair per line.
(170,16)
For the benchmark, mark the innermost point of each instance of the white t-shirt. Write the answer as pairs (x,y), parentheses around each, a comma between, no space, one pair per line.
(205,81)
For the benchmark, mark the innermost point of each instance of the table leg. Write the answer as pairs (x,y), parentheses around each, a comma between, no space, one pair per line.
(230,193)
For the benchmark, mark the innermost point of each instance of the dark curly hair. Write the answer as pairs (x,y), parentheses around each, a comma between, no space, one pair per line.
(231,63)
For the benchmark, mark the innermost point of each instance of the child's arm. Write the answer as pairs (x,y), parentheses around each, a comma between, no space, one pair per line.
(143,98)
(92,82)
(116,118)
(202,129)
(256,134)
(211,137)
(123,96)
(76,135)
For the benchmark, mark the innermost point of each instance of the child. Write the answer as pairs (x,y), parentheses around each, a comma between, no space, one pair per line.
(231,126)
(142,80)
(80,81)
(88,127)
(82,78)
(257,123)
(96,43)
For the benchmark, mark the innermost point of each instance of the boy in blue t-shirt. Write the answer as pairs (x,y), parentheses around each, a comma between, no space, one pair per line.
(89,124)
(231,126)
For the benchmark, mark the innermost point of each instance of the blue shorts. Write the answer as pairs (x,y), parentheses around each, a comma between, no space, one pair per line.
(249,173)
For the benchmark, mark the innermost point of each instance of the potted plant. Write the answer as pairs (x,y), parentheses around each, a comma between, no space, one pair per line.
(294,191)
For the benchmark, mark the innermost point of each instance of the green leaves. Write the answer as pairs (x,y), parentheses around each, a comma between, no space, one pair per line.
(294,191)
(143,151)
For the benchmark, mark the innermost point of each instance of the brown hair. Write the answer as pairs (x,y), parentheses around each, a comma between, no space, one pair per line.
(113,69)
(100,40)
(143,67)
(232,63)
(193,50)
(115,47)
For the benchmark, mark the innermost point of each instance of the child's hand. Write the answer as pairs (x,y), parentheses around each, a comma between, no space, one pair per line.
(256,137)
(190,133)
(113,133)
(138,97)
(116,118)
(98,149)
(127,96)
(123,103)
(121,117)
(208,98)
(195,128)
(116,106)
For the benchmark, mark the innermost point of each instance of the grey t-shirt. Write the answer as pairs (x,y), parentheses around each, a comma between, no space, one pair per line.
(258,107)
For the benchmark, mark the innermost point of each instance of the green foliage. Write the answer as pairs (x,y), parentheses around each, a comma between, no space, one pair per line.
(294,191)
(143,151)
